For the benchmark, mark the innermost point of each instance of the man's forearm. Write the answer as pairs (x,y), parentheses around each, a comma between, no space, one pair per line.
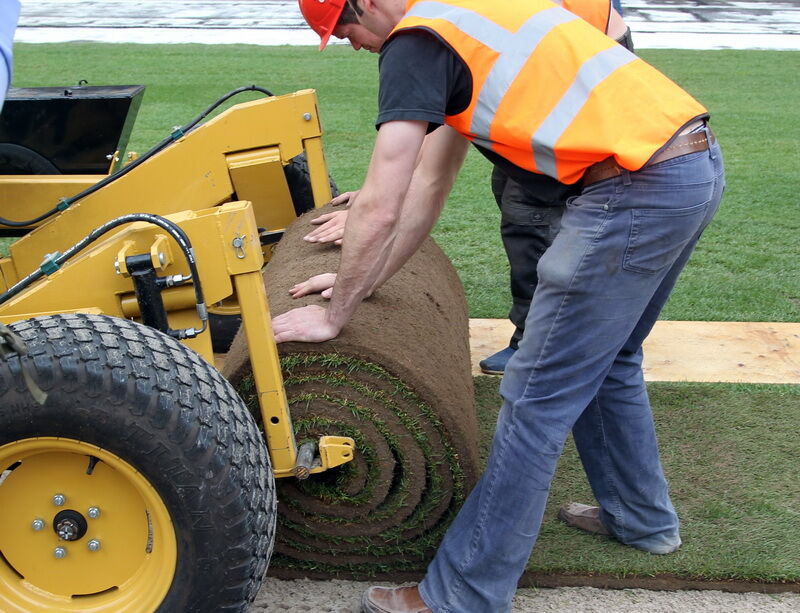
(365,250)
(420,211)
(441,158)
(373,224)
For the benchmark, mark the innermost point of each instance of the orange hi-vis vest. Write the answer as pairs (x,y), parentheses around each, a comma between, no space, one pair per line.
(551,93)
(596,12)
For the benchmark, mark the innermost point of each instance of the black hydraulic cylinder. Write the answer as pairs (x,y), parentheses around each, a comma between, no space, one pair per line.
(147,286)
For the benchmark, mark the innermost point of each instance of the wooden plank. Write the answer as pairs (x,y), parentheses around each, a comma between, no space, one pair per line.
(733,352)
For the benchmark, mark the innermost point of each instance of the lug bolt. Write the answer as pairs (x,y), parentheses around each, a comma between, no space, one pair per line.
(93,545)
(60,553)
(59,500)
(93,512)
(37,524)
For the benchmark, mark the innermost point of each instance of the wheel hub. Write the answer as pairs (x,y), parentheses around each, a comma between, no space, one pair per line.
(95,554)
(70,525)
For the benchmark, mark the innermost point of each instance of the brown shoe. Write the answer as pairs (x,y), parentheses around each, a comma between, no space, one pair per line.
(393,600)
(583,517)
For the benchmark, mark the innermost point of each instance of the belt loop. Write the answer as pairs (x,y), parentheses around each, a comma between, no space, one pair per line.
(711,153)
(626,177)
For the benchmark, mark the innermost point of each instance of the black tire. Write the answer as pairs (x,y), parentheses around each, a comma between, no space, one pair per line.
(19,160)
(299,182)
(157,405)
(225,327)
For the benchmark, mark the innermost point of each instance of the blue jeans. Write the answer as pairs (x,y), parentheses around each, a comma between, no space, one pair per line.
(623,242)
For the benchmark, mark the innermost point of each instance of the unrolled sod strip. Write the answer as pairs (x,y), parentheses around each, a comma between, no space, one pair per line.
(398,381)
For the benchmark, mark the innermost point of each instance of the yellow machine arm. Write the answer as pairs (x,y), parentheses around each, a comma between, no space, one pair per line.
(223,185)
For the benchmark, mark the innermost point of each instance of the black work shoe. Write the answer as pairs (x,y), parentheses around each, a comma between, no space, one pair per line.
(393,600)
(583,517)
(495,364)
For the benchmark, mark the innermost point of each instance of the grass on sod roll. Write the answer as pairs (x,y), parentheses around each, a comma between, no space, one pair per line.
(730,455)
(745,268)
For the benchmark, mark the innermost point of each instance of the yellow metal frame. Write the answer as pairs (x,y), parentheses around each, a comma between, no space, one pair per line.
(222,183)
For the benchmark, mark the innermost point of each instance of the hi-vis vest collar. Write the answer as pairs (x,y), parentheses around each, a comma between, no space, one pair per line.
(575,113)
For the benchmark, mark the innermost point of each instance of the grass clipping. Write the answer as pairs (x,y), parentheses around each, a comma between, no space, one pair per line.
(397,380)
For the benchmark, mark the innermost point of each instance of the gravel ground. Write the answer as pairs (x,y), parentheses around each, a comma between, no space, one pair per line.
(335,596)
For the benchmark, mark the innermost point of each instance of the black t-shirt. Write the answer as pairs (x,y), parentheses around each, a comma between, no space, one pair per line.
(421,78)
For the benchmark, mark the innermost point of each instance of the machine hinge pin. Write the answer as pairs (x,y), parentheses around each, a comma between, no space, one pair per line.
(59,500)
(60,553)
(93,512)
(37,524)
(93,545)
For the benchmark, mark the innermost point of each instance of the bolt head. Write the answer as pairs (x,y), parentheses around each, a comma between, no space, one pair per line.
(93,545)
(59,500)
(60,553)
(93,512)
(37,524)
(307,116)
(161,258)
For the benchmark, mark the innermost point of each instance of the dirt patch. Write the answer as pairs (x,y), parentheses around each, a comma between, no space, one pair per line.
(398,381)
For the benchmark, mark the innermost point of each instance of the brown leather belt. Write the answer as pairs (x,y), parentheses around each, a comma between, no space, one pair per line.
(682,145)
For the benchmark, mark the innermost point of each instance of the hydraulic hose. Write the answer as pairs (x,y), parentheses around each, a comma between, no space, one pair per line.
(54,261)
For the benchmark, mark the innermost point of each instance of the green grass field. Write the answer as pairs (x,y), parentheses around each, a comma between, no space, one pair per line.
(744,270)
(730,451)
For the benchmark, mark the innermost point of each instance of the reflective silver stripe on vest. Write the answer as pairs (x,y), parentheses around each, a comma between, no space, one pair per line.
(593,72)
(514,48)
(508,66)
(469,22)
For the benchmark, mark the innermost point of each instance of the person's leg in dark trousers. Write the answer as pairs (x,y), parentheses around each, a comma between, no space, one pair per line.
(530,220)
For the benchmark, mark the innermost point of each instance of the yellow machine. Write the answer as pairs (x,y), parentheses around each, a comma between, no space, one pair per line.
(133,476)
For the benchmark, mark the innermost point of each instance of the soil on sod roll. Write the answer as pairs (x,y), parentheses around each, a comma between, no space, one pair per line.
(398,381)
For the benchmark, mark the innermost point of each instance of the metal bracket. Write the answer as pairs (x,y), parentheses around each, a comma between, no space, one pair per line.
(334,451)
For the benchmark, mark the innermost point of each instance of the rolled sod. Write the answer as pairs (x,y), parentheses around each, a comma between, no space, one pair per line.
(398,381)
